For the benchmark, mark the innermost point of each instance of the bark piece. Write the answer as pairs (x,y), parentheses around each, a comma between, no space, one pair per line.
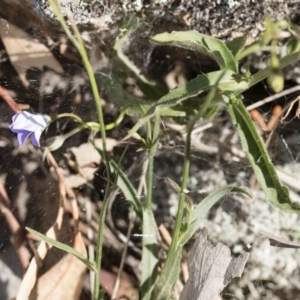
(210,269)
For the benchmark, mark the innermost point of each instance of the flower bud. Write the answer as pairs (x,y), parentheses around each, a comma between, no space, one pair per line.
(276,81)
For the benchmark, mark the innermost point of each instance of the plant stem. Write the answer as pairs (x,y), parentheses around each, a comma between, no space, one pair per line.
(78,43)
(106,160)
(186,168)
(151,154)
(185,176)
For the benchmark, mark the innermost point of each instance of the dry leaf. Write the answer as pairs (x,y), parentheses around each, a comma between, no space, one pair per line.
(25,52)
(64,280)
(31,273)
(210,269)
(87,160)
(277,241)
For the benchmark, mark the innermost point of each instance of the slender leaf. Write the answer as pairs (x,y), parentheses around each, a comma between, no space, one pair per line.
(127,188)
(150,254)
(204,206)
(196,41)
(90,264)
(276,193)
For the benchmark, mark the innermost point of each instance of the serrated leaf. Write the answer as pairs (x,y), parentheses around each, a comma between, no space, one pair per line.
(237,45)
(276,193)
(226,80)
(196,41)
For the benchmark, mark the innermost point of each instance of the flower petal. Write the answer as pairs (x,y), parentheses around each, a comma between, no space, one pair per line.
(18,123)
(35,138)
(25,124)
(28,121)
(22,137)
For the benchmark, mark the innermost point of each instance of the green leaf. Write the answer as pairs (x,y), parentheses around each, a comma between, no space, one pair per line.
(201,210)
(237,45)
(152,93)
(90,264)
(211,111)
(149,255)
(276,193)
(293,45)
(114,80)
(226,80)
(127,188)
(196,41)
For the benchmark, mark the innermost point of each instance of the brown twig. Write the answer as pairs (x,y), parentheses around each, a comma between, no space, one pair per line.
(289,108)
(274,120)
(257,117)
(9,100)
(165,234)
(273,97)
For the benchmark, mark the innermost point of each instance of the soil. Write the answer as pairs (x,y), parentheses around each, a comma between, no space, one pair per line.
(217,160)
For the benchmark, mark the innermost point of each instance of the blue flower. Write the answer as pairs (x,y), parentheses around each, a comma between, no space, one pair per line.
(26,124)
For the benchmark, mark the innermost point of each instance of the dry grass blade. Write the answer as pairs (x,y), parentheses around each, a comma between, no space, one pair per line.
(210,269)
(64,280)
(25,52)
(291,105)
